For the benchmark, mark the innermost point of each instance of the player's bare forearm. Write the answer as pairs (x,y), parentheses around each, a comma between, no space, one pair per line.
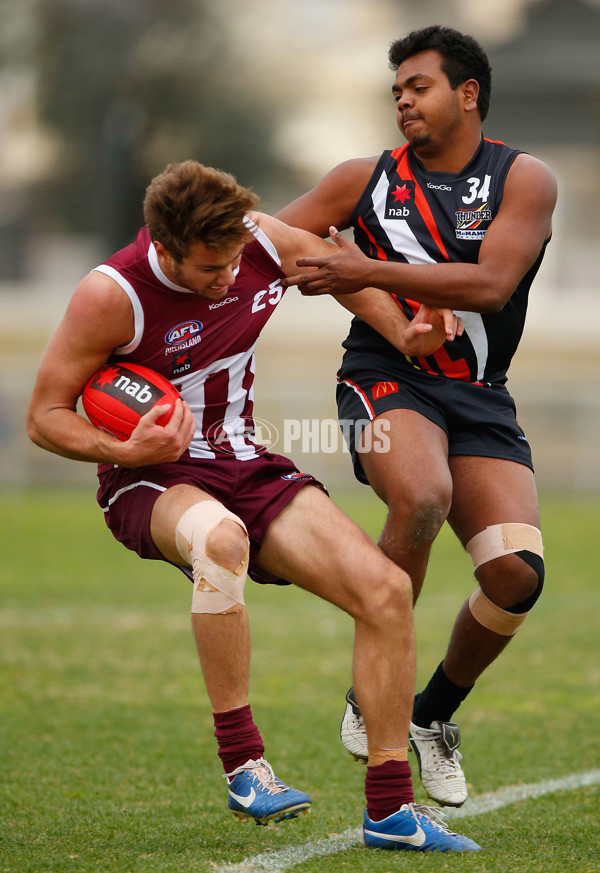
(64,432)
(61,430)
(421,336)
(457,286)
(341,263)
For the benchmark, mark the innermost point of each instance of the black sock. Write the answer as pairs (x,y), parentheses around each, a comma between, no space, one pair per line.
(439,700)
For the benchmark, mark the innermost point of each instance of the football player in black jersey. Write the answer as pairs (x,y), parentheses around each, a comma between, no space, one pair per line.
(450,219)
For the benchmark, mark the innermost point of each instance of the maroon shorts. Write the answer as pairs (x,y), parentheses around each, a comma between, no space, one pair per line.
(255,490)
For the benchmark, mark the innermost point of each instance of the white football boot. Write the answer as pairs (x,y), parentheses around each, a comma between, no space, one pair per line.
(436,749)
(353,733)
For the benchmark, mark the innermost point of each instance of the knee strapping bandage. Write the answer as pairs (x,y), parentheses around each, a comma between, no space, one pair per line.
(493,617)
(504,539)
(216,590)
(494,542)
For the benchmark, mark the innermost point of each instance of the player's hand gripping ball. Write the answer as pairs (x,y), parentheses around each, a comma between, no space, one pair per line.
(117,396)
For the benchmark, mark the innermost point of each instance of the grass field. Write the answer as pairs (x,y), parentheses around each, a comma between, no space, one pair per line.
(107,755)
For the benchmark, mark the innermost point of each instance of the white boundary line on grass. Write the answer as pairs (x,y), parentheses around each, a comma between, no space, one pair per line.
(284,859)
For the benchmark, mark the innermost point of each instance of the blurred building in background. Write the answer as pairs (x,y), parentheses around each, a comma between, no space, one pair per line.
(96,96)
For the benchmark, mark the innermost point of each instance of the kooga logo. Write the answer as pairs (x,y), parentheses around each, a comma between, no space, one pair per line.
(223,302)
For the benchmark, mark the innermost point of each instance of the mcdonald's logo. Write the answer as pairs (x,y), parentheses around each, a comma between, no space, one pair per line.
(380,389)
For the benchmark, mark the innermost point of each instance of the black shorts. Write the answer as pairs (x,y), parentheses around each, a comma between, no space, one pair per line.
(479,419)
(255,490)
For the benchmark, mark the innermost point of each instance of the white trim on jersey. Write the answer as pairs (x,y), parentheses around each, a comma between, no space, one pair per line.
(399,233)
(263,239)
(155,267)
(138,312)
(475,330)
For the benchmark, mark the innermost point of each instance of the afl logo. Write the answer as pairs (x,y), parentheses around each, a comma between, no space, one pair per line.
(182,332)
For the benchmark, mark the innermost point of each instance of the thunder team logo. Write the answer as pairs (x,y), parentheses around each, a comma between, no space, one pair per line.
(469,222)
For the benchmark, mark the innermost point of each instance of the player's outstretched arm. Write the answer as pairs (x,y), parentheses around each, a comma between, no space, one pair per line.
(418,337)
(522,224)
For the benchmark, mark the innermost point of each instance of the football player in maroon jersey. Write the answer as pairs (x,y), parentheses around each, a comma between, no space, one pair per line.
(200,493)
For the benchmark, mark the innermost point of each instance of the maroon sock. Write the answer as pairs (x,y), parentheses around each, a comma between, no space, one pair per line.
(387,787)
(238,737)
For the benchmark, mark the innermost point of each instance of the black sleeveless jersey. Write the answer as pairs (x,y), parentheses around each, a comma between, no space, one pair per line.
(410,215)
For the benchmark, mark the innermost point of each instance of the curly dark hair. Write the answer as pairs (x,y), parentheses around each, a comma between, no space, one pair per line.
(190,203)
(462,58)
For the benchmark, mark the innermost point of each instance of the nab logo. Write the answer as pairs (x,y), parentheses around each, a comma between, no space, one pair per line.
(184,331)
(115,383)
(142,393)
(181,363)
(295,476)
(380,389)
(399,200)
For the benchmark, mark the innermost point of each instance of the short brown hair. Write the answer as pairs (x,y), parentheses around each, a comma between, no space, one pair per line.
(189,203)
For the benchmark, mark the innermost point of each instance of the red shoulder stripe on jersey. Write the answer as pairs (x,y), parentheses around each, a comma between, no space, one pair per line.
(421,203)
(399,153)
(495,141)
(381,255)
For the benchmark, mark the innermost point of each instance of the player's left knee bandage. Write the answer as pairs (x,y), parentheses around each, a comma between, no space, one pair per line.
(216,590)
(495,541)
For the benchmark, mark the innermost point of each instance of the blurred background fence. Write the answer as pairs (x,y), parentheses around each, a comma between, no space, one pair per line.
(96,96)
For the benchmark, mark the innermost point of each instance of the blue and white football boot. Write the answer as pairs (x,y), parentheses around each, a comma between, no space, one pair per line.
(415,828)
(256,792)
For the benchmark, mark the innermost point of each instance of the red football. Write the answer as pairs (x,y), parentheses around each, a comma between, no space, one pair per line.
(117,396)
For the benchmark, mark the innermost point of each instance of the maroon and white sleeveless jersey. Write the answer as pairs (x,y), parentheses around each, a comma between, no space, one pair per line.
(415,216)
(204,347)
